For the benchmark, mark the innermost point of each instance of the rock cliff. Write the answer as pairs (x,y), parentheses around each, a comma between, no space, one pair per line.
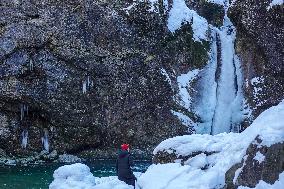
(87,75)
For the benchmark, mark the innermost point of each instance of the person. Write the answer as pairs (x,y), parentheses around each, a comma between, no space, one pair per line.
(124,163)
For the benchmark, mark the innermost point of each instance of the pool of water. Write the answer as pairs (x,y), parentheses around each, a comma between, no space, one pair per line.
(40,176)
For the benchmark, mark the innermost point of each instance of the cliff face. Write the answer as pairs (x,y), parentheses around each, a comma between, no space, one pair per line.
(83,74)
(260,45)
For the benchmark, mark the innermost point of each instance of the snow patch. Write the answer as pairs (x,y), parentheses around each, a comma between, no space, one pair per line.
(184,81)
(180,13)
(239,170)
(168,79)
(68,158)
(184,119)
(259,157)
(78,176)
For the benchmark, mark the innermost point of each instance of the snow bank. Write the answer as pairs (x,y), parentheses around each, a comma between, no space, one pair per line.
(78,176)
(75,176)
(227,150)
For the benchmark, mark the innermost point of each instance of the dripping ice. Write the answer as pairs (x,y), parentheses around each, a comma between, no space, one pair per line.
(87,84)
(24,136)
(24,109)
(44,140)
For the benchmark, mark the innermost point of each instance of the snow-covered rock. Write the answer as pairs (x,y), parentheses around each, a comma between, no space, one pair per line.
(75,176)
(223,151)
(78,176)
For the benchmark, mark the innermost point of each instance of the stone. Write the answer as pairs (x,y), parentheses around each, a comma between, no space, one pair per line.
(260,163)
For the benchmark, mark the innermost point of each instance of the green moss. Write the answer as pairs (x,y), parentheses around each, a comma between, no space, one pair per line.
(213,13)
(181,43)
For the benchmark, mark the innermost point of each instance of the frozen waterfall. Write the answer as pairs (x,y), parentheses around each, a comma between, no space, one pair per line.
(219,101)
(220,105)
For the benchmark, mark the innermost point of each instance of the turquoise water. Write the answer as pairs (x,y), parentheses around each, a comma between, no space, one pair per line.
(40,176)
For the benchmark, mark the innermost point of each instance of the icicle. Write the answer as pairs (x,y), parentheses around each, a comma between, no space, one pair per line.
(44,140)
(84,87)
(24,138)
(88,81)
(87,84)
(31,65)
(24,109)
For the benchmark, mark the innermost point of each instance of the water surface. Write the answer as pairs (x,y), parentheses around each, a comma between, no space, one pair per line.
(40,176)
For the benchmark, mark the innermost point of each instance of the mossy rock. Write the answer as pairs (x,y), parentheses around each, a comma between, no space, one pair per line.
(181,42)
